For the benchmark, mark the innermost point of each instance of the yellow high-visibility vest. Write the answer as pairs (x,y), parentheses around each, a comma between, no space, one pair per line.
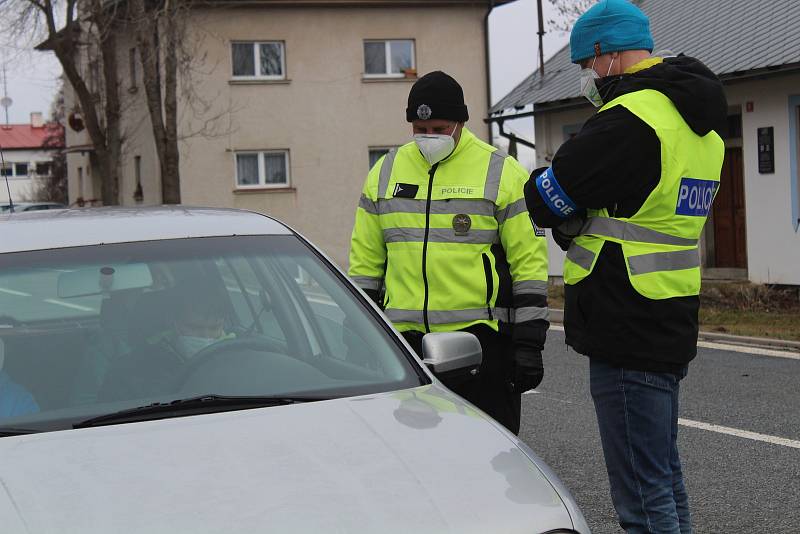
(660,241)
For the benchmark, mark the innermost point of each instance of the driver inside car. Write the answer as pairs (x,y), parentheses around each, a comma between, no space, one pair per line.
(154,365)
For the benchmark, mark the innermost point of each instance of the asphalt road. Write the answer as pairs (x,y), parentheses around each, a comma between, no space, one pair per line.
(736,484)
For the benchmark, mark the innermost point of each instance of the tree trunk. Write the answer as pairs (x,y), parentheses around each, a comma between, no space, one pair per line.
(163,112)
(110,180)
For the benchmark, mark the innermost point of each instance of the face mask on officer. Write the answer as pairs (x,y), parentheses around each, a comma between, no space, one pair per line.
(436,147)
(588,84)
(197,329)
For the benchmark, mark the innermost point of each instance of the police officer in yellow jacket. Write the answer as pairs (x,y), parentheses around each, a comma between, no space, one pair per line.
(628,197)
(442,228)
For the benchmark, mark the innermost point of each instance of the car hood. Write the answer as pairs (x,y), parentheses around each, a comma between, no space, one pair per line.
(419,460)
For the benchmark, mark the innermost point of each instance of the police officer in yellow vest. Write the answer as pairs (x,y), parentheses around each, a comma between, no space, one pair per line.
(627,199)
(442,227)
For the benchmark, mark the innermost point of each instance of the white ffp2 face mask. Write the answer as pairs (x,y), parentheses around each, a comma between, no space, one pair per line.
(589,86)
(191,345)
(435,147)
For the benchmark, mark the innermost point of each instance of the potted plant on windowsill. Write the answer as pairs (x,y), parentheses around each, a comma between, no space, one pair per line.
(410,72)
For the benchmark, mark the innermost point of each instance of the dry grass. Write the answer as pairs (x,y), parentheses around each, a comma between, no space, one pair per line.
(738,308)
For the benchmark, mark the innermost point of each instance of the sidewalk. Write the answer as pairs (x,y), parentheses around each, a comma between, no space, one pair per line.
(557,317)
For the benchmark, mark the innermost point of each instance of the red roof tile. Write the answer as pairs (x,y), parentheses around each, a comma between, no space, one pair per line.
(25,136)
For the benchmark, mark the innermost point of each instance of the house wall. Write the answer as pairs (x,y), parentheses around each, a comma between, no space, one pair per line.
(23,188)
(773,241)
(326,114)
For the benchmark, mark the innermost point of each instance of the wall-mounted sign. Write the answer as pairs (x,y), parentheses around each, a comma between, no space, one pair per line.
(766,150)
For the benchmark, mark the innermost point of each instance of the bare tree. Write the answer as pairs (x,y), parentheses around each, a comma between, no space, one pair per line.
(96,89)
(53,186)
(160,34)
(569,11)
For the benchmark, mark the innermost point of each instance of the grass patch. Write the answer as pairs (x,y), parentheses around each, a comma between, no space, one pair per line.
(738,308)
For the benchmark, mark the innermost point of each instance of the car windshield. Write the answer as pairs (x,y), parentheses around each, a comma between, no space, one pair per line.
(94,330)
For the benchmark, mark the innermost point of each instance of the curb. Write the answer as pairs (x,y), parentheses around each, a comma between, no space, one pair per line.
(557,316)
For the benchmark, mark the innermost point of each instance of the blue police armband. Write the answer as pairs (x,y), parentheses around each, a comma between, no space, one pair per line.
(552,194)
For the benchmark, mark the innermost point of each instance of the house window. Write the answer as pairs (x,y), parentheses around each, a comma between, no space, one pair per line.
(138,193)
(269,168)
(388,59)
(44,168)
(263,60)
(132,69)
(376,153)
(7,169)
(21,169)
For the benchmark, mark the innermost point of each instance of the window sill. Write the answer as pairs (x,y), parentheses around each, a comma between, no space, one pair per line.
(259,82)
(394,79)
(264,190)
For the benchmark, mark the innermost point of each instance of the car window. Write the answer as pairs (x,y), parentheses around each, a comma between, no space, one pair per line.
(93,330)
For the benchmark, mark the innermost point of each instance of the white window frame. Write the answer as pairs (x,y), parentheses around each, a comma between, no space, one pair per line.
(262,171)
(387,49)
(257,61)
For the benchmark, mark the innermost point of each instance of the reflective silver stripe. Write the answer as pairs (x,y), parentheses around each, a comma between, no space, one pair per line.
(367,282)
(503,314)
(493,174)
(664,261)
(386,172)
(437,316)
(626,231)
(581,256)
(530,287)
(512,210)
(438,235)
(530,314)
(438,207)
(367,205)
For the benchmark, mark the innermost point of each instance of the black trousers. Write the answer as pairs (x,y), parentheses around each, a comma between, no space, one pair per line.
(490,389)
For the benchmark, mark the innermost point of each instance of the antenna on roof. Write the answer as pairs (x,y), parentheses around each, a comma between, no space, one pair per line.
(6,100)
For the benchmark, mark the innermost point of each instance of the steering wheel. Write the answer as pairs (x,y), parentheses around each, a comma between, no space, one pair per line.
(221,348)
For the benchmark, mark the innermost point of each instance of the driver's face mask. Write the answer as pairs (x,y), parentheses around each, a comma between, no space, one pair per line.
(191,345)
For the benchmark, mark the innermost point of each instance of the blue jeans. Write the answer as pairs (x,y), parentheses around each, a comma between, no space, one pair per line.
(637,413)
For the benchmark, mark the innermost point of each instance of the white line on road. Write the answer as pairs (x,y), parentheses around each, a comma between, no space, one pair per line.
(68,305)
(750,350)
(744,349)
(740,433)
(13,292)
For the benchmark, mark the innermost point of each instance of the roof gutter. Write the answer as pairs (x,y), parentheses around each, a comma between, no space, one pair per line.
(512,139)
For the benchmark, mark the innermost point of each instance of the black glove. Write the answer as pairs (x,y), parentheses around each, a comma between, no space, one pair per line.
(528,370)
(566,232)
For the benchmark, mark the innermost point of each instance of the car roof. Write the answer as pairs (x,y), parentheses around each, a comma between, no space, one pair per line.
(48,229)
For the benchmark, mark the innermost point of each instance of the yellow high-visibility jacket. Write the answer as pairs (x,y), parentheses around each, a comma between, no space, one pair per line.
(446,241)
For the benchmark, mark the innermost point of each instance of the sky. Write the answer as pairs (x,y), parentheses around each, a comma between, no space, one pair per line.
(33,76)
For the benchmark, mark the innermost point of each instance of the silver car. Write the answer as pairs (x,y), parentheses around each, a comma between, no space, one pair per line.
(207,370)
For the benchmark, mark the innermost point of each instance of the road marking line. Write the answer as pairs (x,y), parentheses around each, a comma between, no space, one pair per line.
(68,305)
(744,349)
(12,292)
(749,350)
(740,433)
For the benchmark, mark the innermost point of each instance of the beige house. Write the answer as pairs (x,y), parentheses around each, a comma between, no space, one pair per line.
(293,101)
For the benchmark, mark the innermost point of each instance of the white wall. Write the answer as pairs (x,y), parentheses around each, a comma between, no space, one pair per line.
(550,135)
(773,244)
(22,188)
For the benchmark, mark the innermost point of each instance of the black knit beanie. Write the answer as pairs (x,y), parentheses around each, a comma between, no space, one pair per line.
(436,96)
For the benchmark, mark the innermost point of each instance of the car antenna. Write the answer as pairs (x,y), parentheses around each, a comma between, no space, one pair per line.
(5,173)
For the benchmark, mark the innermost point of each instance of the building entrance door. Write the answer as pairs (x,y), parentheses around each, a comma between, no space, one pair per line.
(730,246)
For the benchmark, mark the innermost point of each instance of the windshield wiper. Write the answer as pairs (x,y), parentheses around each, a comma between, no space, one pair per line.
(10,431)
(192,406)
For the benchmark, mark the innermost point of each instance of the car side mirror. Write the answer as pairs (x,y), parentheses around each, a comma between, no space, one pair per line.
(444,352)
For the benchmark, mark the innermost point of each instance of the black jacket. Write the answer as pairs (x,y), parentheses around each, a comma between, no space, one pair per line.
(615,162)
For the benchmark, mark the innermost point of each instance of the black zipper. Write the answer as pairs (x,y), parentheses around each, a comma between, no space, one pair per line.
(431,172)
(487,270)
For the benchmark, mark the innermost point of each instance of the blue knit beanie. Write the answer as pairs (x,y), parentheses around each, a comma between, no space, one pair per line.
(612,25)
